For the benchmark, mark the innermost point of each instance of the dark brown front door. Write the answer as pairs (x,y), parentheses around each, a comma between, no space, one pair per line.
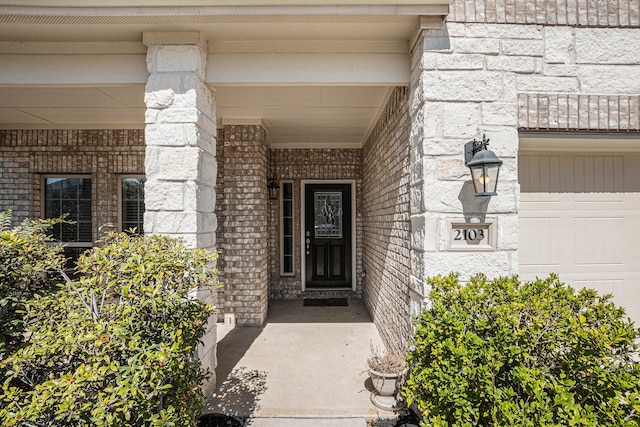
(328,235)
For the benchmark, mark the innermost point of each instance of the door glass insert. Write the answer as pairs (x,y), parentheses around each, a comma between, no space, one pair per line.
(328,214)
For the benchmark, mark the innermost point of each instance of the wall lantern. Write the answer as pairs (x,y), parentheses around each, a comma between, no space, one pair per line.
(272,182)
(484,166)
(273,187)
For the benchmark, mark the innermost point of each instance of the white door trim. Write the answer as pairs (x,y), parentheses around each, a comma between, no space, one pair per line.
(303,262)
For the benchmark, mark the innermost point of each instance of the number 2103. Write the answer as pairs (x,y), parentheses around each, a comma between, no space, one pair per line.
(469,234)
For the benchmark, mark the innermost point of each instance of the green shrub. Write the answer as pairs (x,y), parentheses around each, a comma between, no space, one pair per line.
(26,259)
(505,353)
(117,347)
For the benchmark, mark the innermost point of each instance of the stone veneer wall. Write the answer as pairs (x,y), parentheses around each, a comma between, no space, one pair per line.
(386,229)
(300,164)
(26,156)
(544,66)
(242,212)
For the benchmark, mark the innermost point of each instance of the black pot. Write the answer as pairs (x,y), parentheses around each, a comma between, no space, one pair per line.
(220,420)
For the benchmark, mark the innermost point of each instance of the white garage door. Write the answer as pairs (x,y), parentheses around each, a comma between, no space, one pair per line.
(580,218)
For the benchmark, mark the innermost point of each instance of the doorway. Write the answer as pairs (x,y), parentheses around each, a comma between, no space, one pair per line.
(328,228)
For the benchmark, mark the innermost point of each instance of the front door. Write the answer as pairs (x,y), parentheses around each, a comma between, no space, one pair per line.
(327,236)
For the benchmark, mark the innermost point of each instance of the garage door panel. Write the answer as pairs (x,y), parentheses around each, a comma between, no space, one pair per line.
(542,249)
(586,231)
(543,173)
(596,240)
(596,200)
(539,201)
(624,290)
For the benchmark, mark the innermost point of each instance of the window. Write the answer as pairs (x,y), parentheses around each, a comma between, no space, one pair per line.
(132,206)
(70,196)
(286,230)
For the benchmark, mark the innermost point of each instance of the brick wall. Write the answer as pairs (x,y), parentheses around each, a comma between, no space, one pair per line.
(386,225)
(562,111)
(585,13)
(26,156)
(242,212)
(300,164)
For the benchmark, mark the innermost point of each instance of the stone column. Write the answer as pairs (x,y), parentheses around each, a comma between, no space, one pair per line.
(180,157)
(454,99)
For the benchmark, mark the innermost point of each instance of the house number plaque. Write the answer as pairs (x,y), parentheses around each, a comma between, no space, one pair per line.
(471,236)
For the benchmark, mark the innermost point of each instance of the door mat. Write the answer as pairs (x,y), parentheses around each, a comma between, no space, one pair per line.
(326,302)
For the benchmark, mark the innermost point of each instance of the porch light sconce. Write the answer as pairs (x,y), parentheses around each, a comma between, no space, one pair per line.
(273,187)
(484,166)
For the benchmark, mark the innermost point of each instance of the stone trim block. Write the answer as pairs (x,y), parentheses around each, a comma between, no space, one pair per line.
(467,86)
(539,83)
(619,79)
(615,46)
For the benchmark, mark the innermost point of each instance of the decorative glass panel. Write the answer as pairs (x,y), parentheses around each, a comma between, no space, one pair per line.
(328,214)
(286,242)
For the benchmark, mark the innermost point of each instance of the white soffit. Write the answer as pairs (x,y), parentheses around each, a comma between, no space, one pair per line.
(294,116)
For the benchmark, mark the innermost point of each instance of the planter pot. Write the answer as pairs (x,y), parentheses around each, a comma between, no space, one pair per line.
(386,389)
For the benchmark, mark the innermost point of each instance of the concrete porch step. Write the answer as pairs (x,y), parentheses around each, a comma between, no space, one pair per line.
(330,422)
(307,422)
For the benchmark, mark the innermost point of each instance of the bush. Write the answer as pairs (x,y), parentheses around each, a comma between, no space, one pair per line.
(26,261)
(117,347)
(502,353)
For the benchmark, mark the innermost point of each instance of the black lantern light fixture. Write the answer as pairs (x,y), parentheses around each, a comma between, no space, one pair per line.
(273,187)
(272,182)
(484,166)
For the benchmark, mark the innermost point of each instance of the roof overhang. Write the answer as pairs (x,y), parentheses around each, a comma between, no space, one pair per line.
(316,73)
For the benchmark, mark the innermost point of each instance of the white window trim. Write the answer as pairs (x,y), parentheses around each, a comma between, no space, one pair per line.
(293,230)
(303,263)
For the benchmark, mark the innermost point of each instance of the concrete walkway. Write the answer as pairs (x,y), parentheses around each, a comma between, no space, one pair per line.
(305,367)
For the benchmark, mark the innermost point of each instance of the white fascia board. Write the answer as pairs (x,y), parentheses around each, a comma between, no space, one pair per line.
(243,7)
(72,48)
(308,46)
(18,69)
(321,68)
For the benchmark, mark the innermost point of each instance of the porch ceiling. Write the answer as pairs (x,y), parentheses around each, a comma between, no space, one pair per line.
(294,116)
(319,39)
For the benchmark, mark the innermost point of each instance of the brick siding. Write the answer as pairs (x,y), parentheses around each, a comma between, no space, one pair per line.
(584,13)
(242,212)
(561,111)
(386,229)
(26,156)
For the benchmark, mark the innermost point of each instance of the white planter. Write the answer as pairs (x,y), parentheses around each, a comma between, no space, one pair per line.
(385,384)
(386,389)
